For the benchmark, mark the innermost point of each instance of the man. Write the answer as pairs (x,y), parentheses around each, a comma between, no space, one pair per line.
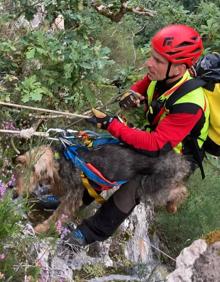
(174,49)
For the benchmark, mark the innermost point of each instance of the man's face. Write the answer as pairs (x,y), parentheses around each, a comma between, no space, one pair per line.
(157,66)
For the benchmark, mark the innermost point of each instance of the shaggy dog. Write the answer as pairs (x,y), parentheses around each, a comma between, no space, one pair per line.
(163,177)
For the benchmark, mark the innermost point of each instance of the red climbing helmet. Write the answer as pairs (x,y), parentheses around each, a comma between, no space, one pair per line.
(178,43)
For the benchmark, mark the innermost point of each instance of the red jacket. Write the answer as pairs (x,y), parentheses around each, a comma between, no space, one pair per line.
(168,133)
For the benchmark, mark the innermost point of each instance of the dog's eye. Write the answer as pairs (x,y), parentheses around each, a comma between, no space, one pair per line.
(19,169)
(21,160)
(18,166)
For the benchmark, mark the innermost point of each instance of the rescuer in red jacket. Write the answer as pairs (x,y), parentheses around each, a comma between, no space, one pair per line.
(174,49)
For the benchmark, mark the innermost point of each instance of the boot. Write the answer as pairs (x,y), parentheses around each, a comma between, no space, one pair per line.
(103,223)
(107,219)
(75,240)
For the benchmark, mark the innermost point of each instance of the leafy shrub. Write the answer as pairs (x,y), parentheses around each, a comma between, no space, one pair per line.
(15,260)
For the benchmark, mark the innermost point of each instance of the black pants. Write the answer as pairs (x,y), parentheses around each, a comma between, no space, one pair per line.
(112,213)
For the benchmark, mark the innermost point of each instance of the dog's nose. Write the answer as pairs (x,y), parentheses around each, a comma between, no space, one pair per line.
(40,189)
(43,189)
(14,194)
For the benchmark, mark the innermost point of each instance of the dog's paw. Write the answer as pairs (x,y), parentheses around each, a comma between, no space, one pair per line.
(41,228)
(171,207)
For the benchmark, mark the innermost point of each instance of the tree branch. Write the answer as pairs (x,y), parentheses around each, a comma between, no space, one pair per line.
(107,10)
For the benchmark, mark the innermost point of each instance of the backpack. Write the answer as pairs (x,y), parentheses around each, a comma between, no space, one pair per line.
(206,74)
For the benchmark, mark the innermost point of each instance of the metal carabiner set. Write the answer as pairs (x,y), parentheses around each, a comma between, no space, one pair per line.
(70,137)
(66,136)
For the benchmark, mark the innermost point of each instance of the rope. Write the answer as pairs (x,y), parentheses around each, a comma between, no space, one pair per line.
(157,249)
(29,132)
(43,110)
(25,133)
(162,252)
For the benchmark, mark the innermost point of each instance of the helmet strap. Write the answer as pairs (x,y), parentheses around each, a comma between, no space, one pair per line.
(168,71)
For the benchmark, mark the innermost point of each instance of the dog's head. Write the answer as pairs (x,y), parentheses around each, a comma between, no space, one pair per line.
(36,170)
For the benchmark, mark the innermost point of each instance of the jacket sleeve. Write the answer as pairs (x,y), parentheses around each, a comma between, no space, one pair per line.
(141,85)
(170,132)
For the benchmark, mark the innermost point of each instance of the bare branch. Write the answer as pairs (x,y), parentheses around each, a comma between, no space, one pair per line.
(107,11)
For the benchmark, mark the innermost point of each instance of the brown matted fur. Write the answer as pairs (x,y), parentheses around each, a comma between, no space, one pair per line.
(163,177)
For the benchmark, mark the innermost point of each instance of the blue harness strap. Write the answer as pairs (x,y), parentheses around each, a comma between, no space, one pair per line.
(99,139)
(70,153)
(105,140)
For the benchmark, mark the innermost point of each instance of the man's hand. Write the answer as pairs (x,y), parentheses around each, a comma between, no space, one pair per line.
(100,119)
(130,99)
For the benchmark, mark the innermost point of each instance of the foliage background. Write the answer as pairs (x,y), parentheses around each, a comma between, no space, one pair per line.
(84,65)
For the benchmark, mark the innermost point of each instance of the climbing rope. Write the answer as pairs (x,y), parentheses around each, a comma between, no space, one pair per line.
(29,132)
(157,249)
(43,110)
(24,133)
(86,115)
(162,252)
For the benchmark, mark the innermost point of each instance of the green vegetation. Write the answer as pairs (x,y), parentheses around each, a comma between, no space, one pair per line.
(84,65)
(198,216)
(15,258)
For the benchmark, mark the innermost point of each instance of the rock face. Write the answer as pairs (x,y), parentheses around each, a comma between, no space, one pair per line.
(127,253)
(207,266)
(126,256)
(36,21)
(199,262)
(138,248)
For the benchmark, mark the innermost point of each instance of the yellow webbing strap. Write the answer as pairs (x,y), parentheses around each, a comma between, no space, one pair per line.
(99,199)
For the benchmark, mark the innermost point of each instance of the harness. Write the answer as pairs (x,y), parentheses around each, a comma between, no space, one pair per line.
(177,94)
(89,173)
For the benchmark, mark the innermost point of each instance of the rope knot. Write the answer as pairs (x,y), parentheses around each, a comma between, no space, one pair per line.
(27,133)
